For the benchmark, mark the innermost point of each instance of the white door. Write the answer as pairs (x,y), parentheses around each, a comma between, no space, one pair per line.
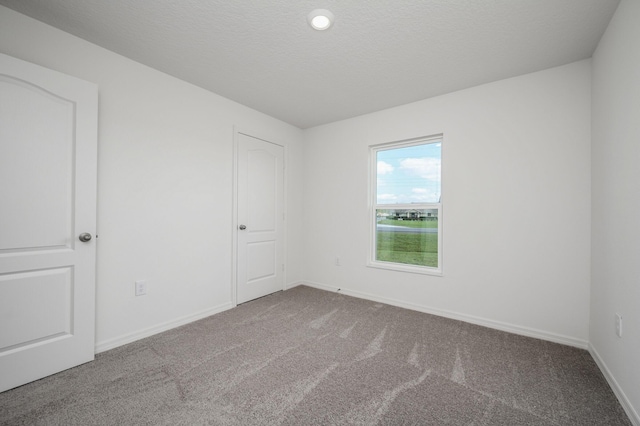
(48,147)
(260,218)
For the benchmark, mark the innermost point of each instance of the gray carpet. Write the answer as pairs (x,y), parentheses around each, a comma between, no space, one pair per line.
(310,357)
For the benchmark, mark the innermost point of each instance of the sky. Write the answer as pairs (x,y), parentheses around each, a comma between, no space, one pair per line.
(409,175)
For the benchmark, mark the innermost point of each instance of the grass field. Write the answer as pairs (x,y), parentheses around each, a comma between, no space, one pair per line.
(410,223)
(413,249)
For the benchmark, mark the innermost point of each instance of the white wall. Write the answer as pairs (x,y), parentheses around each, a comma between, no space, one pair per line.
(616,204)
(516,194)
(164,183)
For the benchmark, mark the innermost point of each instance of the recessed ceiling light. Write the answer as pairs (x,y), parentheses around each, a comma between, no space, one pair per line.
(320,19)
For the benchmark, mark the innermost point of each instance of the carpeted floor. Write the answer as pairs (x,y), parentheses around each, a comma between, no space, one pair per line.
(310,357)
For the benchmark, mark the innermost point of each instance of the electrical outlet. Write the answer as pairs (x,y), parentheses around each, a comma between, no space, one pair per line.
(141,287)
(618,325)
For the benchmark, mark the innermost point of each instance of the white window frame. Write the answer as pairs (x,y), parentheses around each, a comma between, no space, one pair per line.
(374,206)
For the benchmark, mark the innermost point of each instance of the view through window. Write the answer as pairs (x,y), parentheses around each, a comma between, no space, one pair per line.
(407,207)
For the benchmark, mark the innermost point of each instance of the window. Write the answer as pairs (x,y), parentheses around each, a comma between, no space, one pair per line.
(406,206)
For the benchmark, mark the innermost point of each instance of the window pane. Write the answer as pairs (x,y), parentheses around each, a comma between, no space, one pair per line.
(409,174)
(408,236)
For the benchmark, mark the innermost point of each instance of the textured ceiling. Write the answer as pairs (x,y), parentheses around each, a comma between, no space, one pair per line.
(378,53)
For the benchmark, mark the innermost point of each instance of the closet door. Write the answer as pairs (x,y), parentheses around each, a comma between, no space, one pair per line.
(48,162)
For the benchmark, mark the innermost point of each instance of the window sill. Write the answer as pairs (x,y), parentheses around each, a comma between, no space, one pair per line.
(405,268)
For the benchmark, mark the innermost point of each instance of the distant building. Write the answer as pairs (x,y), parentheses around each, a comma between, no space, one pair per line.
(412,214)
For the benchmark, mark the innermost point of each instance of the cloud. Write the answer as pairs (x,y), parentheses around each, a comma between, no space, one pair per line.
(427,167)
(387,197)
(424,195)
(384,168)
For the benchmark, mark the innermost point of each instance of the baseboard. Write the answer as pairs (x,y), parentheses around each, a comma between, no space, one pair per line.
(510,328)
(293,285)
(613,383)
(132,337)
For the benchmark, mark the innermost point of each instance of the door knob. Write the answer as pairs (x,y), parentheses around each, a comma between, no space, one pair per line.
(85,237)
(242,227)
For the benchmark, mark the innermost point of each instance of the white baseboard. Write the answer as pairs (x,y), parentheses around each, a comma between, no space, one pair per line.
(294,284)
(510,328)
(622,397)
(137,335)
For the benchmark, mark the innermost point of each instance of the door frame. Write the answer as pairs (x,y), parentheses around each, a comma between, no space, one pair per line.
(234,219)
